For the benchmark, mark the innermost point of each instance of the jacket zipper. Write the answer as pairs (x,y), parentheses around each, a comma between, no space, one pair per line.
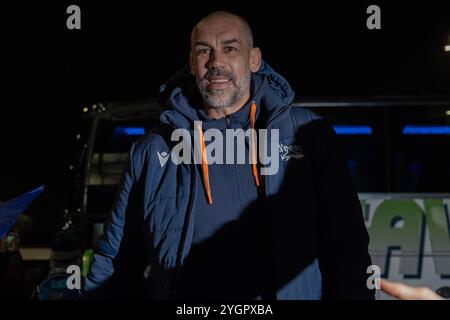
(236,171)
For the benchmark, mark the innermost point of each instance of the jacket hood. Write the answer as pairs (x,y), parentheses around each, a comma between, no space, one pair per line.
(270,91)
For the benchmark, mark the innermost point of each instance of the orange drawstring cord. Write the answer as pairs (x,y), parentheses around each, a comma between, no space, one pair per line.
(252,154)
(253,144)
(205,166)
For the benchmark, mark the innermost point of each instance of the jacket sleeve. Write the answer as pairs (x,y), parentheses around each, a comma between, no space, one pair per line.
(343,237)
(107,263)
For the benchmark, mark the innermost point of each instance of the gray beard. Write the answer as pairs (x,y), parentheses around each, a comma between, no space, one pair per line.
(218,99)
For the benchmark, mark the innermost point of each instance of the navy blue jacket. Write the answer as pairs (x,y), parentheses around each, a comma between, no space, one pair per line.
(300,236)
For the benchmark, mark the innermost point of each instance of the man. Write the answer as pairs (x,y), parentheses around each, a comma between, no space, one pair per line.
(288,228)
(12,269)
(64,253)
(14,277)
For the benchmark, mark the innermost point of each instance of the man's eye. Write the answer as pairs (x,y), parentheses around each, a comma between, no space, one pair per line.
(202,51)
(230,49)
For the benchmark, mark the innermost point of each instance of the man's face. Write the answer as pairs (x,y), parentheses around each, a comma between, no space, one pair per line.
(220,60)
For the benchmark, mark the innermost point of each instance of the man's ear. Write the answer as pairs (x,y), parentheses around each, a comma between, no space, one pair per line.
(255,59)
(191,63)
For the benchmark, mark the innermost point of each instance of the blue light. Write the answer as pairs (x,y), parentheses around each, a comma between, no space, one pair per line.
(129,131)
(353,129)
(426,130)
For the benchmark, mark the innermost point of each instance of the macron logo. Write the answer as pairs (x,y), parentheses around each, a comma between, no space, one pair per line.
(163,157)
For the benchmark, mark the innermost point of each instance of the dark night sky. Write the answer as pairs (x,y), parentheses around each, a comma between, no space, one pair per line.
(125,50)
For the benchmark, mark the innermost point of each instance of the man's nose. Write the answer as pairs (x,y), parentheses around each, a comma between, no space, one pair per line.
(215,61)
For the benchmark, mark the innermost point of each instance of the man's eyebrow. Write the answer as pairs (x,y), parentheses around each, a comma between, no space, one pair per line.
(201,43)
(225,42)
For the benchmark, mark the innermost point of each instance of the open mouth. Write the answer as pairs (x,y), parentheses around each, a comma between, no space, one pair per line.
(218,83)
